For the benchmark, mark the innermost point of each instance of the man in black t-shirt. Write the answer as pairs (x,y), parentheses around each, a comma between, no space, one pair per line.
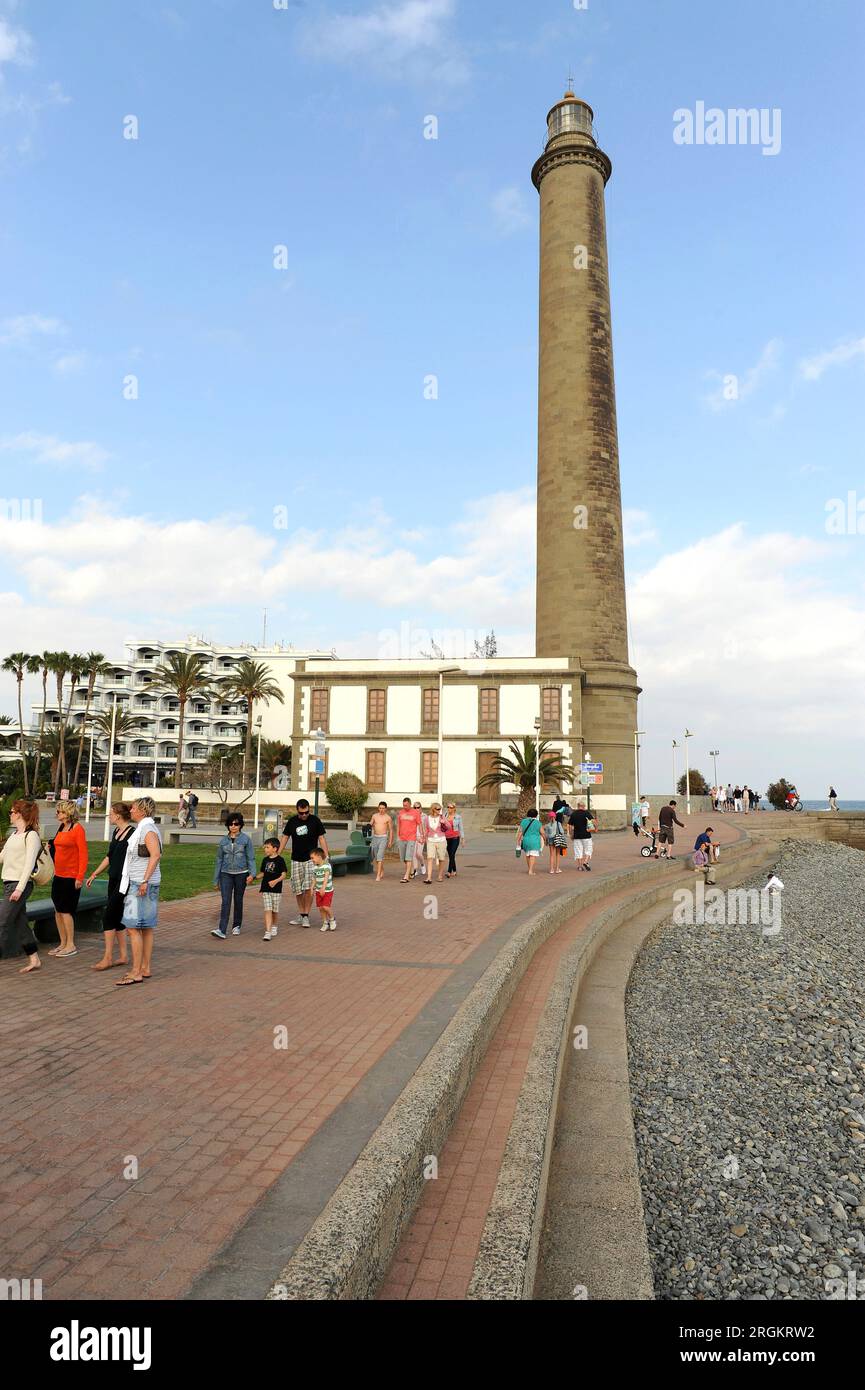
(582,837)
(306,833)
(667,818)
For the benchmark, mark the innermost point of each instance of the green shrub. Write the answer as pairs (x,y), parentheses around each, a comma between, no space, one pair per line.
(699,785)
(345,793)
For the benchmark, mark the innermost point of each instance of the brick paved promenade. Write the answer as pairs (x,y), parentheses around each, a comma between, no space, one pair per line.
(239,1143)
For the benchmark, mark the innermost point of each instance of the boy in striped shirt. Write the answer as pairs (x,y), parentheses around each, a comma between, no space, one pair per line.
(323,875)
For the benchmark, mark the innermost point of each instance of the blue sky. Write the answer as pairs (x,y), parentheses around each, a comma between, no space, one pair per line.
(303,388)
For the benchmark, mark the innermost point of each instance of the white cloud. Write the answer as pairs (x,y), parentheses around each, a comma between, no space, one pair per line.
(70,362)
(637,527)
(24,329)
(812,368)
(15,44)
(735,637)
(733,387)
(510,211)
(48,449)
(391,37)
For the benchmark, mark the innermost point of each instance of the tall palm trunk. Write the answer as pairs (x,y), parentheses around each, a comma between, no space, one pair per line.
(90,684)
(61,754)
(247,752)
(178,769)
(41,728)
(21,737)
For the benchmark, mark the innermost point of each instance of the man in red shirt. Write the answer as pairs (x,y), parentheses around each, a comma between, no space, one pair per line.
(407,823)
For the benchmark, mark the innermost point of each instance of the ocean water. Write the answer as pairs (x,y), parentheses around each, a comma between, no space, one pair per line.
(842,805)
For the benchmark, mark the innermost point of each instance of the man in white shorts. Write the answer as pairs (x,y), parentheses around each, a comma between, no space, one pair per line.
(582,837)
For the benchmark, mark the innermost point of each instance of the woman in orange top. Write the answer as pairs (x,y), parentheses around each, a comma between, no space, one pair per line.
(69,852)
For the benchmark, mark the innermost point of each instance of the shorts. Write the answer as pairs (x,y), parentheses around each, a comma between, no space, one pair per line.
(582,849)
(437,850)
(324,899)
(270,902)
(139,914)
(379,845)
(407,850)
(65,895)
(666,837)
(302,876)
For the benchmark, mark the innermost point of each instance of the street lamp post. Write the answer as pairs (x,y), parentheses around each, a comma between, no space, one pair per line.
(538,766)
(675,779)
(638,734)
(258,773)
(587,758)
(713,754)
(688,735)
(443,671)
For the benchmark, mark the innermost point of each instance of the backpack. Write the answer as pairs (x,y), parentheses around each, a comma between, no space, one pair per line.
(193,801)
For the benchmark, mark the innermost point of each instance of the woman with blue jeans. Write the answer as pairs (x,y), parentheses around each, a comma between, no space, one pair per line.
(235,868)
(139,886)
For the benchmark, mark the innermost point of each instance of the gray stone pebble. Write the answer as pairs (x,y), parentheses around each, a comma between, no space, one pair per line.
(747,1069)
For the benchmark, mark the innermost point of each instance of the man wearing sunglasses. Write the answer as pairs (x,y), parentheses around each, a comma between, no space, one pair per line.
(306,833)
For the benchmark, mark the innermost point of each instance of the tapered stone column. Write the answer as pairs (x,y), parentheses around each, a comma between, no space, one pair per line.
(581,609)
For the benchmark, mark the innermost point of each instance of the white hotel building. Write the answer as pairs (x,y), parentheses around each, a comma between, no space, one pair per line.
(210,724)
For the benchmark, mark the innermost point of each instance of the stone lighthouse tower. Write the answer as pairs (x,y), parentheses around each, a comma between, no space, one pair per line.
(581,611)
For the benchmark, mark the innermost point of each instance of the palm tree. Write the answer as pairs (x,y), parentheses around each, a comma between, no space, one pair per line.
(19,663)
(519,770)
(96,666)
(124,724)
(60,669)
(250,681)
(77,668)
(274,754)
(183,676)
(43,665)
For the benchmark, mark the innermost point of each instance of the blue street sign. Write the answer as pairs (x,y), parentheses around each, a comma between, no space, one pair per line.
(319,767)
(592,767)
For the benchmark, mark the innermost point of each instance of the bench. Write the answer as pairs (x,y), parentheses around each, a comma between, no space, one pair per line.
(356,858)
(91,906)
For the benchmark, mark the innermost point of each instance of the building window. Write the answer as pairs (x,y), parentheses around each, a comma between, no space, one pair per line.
(322,776)
(375,770)
(320,707)
(429,772)
(559,755)
(430,710)
(488,722)
(376,711)
(551,709)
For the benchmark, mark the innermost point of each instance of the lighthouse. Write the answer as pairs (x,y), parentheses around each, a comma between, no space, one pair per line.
(581,607)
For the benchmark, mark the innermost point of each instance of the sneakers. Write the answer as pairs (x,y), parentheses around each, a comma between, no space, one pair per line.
(328,926)
(333,925)
(304,922)
(220,934)
(274,930)
(268,936)
(235,931)
(295,921)
(324,926)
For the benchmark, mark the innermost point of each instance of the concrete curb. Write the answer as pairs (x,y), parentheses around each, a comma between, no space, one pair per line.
(350,1246)
(507,1263)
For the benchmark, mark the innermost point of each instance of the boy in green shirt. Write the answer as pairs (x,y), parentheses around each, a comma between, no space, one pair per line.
(323,875)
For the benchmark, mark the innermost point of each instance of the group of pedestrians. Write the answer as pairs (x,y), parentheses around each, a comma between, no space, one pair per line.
(133,864)
(428,841)
(310,876)
(560,825)
(735,798)
(187,810)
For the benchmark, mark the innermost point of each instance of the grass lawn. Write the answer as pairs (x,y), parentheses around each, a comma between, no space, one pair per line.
(186,870)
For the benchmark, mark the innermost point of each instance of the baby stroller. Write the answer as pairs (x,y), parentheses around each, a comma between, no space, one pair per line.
(648,851)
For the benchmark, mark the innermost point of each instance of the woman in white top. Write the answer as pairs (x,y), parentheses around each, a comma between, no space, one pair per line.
(436,842)
(140,884)
(18,858)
